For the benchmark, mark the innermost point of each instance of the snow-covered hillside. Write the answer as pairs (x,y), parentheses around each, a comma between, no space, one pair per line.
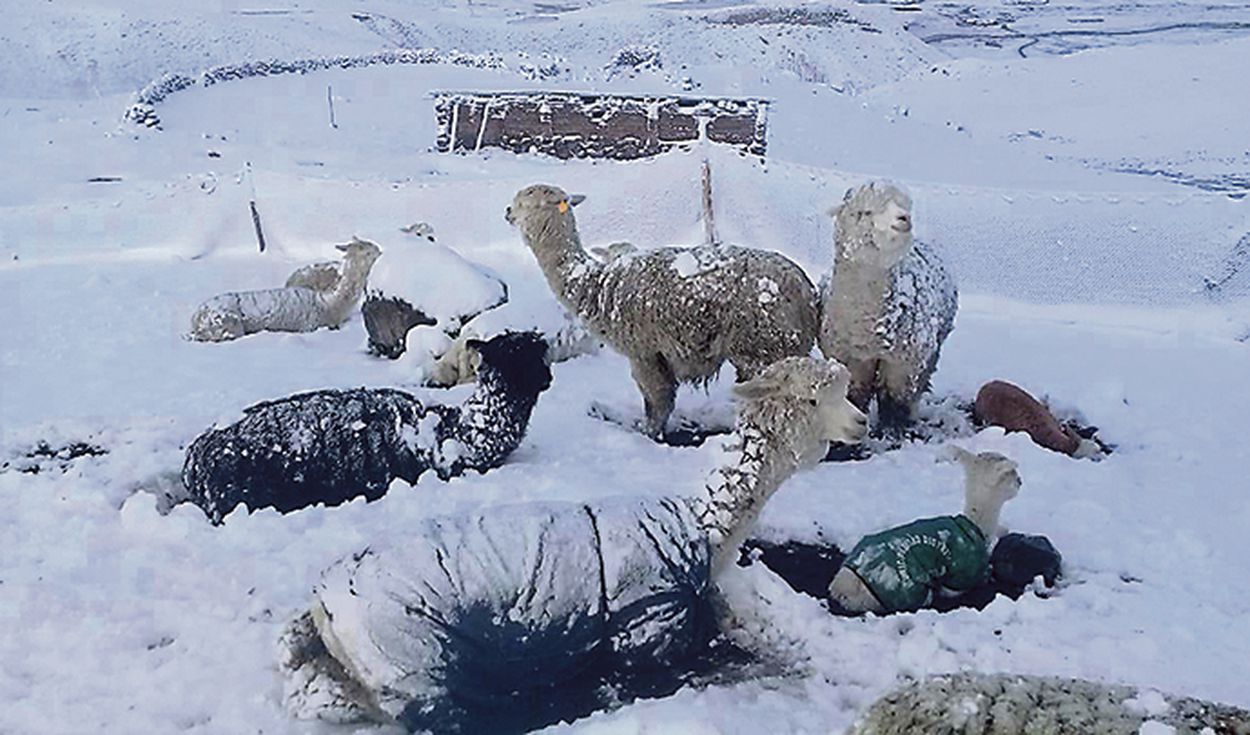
(1083,166)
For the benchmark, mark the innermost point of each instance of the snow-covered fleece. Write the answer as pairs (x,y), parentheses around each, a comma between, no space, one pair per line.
(506,621)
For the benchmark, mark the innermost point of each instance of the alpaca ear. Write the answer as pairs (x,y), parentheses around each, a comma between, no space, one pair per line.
(475,344)
(756,388)
(341,247)
(576,199)
(955,453)
(839,370)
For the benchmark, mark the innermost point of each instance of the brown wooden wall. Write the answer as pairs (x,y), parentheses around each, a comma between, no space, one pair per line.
(571,125)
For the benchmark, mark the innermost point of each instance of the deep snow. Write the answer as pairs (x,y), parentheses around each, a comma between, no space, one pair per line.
(1080,278)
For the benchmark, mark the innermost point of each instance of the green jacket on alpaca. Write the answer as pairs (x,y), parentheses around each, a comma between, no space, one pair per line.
(903,566)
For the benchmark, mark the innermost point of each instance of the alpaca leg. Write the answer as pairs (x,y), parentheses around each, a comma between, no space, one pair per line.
(896,399)
(317,686)
(893,415)
(863,383)
(659,391)
(232,328)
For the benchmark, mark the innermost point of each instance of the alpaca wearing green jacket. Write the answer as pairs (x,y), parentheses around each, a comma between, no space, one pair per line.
(901,568)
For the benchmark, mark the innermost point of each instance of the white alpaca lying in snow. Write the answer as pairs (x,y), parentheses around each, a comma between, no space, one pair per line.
(422,283)
(291,309)
(1009,704)
(513,617)
(900,569)
(888,306)
(565,336)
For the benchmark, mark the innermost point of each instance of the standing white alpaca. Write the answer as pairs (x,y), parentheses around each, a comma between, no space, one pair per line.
(518,616)
(888,306)
(677,313)
(900,569)
(293,309)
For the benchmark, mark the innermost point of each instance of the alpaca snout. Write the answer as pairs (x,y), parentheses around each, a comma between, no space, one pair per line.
(858,425)
(852,426)
(507,215)
(902,224)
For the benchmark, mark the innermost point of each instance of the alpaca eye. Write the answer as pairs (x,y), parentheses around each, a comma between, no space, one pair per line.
(813,401)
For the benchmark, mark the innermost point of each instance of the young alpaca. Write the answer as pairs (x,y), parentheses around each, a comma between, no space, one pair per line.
(330,446)
(901,568)
(677,313)
(514,617)
(423,283)
(297,309)
(325,275)
(1000,403)
(1007,704)
(888,306)
(459,365)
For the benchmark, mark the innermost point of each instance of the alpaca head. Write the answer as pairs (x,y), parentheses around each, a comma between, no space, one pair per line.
(360,251)
(801,401)
(990,480)
(542,208)
(874,224)
(518,359)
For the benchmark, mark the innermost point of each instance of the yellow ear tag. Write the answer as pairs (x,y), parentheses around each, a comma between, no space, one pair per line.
(563,206)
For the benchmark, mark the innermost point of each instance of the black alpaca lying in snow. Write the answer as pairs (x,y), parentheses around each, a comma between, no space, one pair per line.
(330,446)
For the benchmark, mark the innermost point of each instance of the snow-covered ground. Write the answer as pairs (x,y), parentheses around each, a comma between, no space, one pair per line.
(1084,167)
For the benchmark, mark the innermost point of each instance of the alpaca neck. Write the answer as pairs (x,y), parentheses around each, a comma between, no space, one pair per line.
(857,295)
(349,287)
(487,427)
(569,269)
(858,278)
(982,510)
(737,491)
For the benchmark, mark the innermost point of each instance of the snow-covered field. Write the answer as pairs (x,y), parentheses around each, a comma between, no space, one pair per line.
(1085,168)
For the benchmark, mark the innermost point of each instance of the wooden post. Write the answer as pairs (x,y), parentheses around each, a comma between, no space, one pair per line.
(709,216)
(260,234)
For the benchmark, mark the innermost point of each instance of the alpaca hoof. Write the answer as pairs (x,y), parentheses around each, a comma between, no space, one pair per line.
(687,432)
(316,685)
